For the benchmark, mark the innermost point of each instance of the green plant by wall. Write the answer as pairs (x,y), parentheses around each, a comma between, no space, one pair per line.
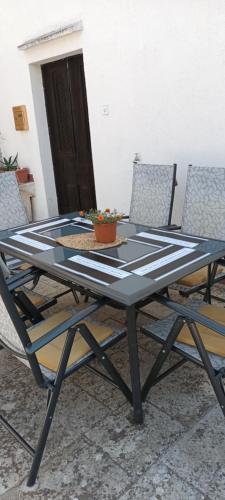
(10,163)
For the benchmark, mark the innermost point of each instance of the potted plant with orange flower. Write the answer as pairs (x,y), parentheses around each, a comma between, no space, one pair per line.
(104,224)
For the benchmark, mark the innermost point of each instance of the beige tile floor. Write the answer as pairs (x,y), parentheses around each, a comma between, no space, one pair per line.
(94,451)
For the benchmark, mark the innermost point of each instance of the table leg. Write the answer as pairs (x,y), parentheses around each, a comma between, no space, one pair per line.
(134,364)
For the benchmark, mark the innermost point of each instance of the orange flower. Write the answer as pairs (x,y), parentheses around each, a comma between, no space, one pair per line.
(107,210)
(100,217)
(82,213)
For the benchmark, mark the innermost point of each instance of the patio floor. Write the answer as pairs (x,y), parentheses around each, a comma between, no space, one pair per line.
(94,452)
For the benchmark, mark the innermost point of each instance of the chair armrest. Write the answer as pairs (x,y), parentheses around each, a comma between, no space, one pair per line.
(188,313)
(221,261)
(33,347)
(22,278)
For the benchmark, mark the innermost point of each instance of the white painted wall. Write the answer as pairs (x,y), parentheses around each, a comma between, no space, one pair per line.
(158,64)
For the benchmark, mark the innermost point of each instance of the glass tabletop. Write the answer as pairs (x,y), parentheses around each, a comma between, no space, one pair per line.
(149,260)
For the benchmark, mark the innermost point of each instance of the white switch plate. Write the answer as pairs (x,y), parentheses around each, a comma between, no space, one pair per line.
(105,109)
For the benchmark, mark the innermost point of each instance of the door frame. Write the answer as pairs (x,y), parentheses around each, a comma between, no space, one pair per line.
(46,179)
(76,161)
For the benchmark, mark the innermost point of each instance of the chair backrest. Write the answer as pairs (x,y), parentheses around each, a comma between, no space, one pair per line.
(13,333)
(204,205)
(152,194)
(12,210)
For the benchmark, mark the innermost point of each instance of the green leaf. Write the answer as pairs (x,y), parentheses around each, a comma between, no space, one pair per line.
(15,159)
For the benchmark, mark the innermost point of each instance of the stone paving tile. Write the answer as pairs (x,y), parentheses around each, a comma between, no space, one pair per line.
(161,483)
(14,462)
(24,405)
(216,487)
(121,361)
(185,394)
(8,363)
(136,447)
(198,455)
(148,344)
(87,473)
(100,389)
(94,452)
(156,309)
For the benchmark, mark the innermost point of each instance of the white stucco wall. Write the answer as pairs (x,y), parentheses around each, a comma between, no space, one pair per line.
(157,64)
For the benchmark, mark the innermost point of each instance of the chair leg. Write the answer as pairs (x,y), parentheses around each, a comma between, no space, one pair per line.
(222,402)
(35,281)
(212,270)
(214,378)
(51,408)
(207,297)
(75,296)
(48,397)
(103,358)
(161,358)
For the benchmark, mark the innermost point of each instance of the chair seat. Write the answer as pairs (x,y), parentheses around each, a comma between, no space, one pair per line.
(49,356)
(36,299)
(17,264)
(214,342)
(24,266)
(41,302)
(197,277)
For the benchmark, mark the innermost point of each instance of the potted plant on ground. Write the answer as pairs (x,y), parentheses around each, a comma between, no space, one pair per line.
(104,223)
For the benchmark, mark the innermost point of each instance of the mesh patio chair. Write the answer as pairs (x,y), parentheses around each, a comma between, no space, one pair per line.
(204,216)
(152,194)
(13,214)
(54,349)
(12,209)
(152,199)
(30,304)
(197,333)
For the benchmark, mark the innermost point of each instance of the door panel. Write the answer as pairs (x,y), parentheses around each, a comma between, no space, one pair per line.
(67,114)
(81,127)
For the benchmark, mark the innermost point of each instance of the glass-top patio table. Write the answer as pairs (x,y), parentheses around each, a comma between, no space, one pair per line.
(150,260)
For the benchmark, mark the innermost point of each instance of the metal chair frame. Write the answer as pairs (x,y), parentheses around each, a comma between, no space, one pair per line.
(186,315)
(27,308)
(7,224)
(73,325)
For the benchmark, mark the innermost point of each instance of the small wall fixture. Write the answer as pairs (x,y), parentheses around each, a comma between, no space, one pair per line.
(20,117)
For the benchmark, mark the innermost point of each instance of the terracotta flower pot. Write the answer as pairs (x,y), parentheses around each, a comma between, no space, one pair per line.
(22,175)
(105,233)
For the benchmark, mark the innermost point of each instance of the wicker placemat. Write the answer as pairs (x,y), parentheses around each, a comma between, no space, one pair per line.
(87,241)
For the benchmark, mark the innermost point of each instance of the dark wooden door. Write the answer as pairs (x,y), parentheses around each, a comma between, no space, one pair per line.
(67,113)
